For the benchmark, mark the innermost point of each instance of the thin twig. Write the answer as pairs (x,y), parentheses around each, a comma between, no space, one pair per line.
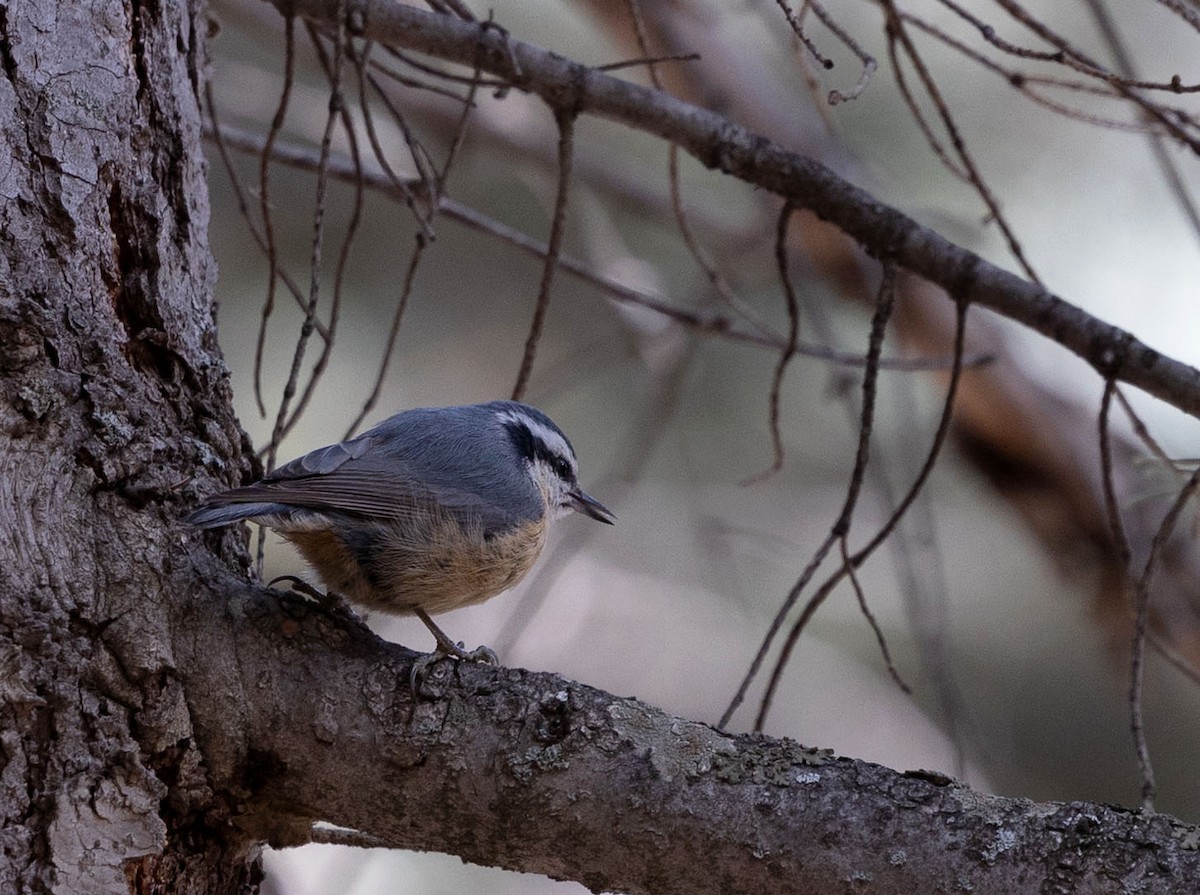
(335,306)
(223,138)
(460,9)
(399,184)
(1124,553)
(861,595)
(389,346)
(648,60)
(264,199)
(394,76)
(690,241)
(914,109)
(884,303)
(939,440)
(318,241)
(1116,527)
(765,164)
(869,65)
(434,184)
(897,31)
(422,163)
(797,27)
(438,184)
(789,349)
(1142,608)
(776,625)
(566,149)
(1024,83)
(1189,14)
(1166,164)
(882,311)
(1079,61)
(1142,432)
(442,74)
(703,322)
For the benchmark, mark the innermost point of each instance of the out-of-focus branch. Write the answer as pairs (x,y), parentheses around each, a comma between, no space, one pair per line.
(1036,445)
(719,143)
(702,321)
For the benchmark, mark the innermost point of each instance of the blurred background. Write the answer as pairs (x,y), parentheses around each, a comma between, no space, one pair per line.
(995,598)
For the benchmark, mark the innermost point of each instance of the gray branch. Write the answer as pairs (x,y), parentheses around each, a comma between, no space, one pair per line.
(721,144)
(534,772)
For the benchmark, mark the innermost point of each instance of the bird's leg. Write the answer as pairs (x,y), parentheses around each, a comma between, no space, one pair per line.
(445,647)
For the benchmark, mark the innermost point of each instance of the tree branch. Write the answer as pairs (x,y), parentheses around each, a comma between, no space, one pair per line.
(719,143)
(534,772)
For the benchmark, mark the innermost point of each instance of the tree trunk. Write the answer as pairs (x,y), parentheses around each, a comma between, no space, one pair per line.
(113,398)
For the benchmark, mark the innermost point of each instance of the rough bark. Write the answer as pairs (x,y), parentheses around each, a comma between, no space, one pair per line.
(533,772)
(161,718)
(109,383)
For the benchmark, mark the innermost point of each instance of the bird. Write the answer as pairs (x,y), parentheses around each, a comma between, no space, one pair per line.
(433,509)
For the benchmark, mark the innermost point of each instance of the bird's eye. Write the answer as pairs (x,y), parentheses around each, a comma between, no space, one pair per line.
(562,468)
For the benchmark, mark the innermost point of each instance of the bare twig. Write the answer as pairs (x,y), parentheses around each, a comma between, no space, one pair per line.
(797,27)
(216,132)
(897,31)
(1025,82)
(389,344)
(434,184)
(691,242)
(1143,433)
(339,280)
(861,596)
(566,148)
(1081,62)
(318,242)
(789,349)
(1111,507)
(869,65)
(939,440)
(264,199)
(1166,164)
(884,303)
(1142,606)
(399,184)
(703,322)
(648,60)
(718,142)
(1190,13)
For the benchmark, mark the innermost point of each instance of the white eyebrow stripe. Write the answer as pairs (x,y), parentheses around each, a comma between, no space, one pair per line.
(549,437)
(555,442)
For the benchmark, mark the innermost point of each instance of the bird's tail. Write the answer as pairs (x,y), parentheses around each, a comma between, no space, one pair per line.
(214,512)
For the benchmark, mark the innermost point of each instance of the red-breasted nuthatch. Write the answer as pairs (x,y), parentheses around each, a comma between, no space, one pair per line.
(432,509)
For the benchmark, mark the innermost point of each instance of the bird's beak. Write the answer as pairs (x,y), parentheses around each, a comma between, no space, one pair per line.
(589,506)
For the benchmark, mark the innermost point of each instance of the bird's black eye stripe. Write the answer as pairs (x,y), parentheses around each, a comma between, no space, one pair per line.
(522,439)
(530,447)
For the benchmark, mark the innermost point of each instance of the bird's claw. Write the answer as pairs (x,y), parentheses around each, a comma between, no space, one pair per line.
(445,649)
(299,586)
(329,600)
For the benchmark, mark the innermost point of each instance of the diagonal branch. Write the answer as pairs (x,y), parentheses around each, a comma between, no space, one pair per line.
(720,143)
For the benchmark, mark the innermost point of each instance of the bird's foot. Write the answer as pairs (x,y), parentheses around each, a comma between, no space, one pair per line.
(447,649)
(330,600)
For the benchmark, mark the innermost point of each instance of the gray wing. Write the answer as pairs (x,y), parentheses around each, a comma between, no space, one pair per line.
(357,478)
